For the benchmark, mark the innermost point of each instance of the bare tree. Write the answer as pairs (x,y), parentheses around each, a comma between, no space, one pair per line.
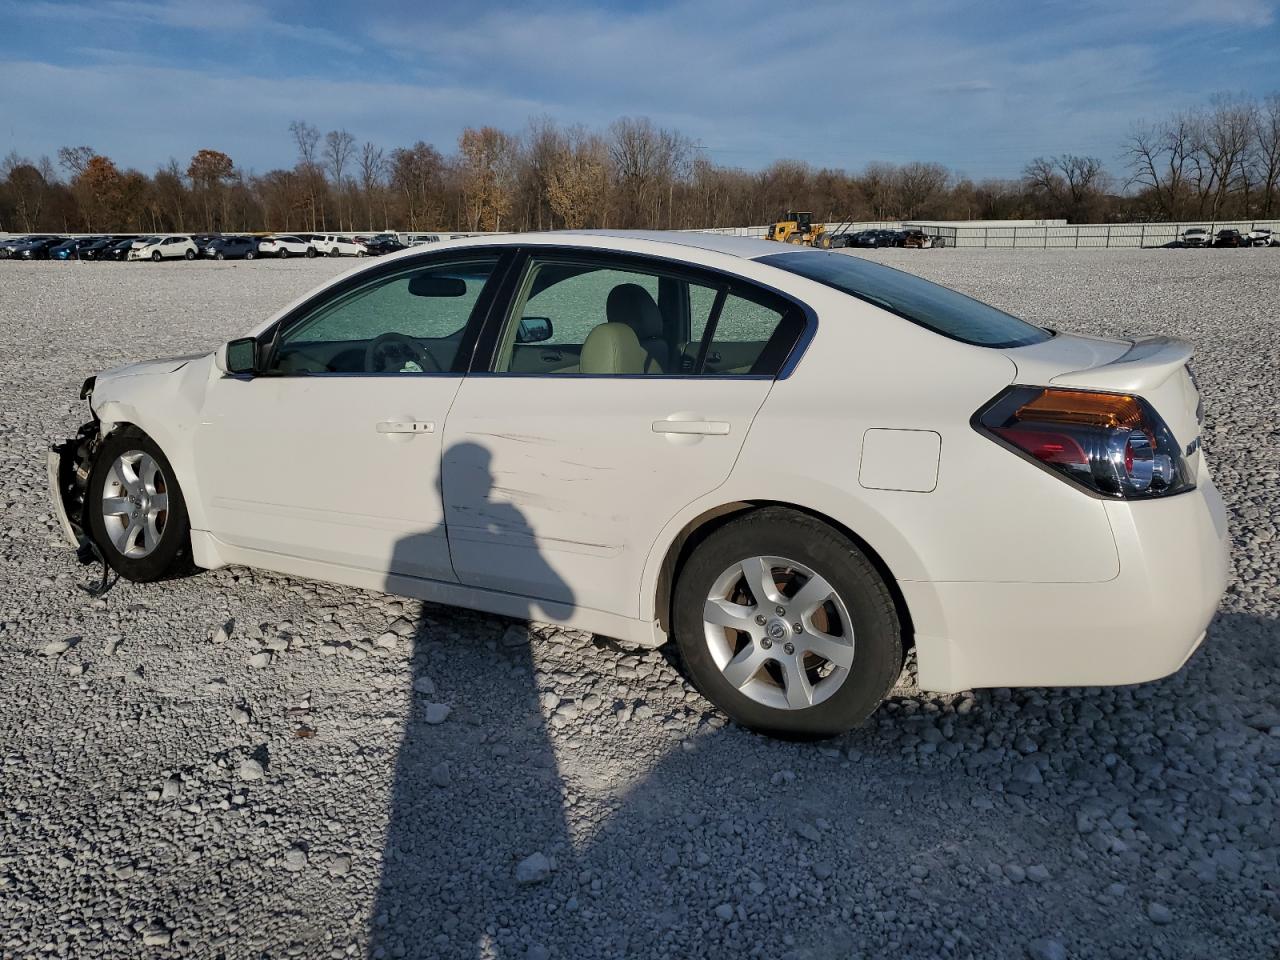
(919,184)
(338,145)
(75,160)
(28,185)
(485,163)
(1159,158)
(306,138)
(1225,132)
(577,179)
(373,170)
(417,174)
(1266,135)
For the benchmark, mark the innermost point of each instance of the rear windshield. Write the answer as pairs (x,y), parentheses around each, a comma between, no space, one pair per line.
(939,308)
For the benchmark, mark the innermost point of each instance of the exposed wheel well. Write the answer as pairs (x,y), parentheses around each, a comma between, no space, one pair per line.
(707,523)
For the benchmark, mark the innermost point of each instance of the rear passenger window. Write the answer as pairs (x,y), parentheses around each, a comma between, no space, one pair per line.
(750,336)
(587,317)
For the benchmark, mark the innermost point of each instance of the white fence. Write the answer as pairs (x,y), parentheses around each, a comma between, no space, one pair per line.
(1043,236)
(1083,235)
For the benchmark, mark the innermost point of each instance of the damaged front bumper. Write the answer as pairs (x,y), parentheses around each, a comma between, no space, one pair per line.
(68,466)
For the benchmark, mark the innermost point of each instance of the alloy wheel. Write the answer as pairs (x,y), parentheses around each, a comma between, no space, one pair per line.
(135,504)
(779,632)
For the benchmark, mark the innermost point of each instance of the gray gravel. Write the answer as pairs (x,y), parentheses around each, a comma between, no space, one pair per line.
(399,779)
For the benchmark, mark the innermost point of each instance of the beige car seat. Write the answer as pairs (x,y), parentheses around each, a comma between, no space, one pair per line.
(613,348)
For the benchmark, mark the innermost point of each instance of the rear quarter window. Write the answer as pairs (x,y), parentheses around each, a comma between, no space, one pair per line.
(930,305)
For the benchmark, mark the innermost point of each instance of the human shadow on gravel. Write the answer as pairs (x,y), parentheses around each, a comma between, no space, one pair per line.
(478,793)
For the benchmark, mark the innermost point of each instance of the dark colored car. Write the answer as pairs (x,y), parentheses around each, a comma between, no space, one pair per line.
(118,251)
(877,238)
(202,240)
(231,248)
(95,248)
(72,249)
(384,243)
(36,249)
(1228,238)
(13,243)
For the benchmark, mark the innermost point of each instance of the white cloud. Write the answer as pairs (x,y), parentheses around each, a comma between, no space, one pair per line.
(216,16)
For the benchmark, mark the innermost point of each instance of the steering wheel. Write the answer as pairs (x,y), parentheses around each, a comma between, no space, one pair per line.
(391,351)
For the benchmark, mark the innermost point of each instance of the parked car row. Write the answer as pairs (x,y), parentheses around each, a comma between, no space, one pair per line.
(1200,237)
(213,246)
(917,239)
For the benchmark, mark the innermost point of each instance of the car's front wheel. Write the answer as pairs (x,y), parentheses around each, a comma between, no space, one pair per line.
(249,254)
(311,252)
(155,256)
(785,624)
(136,512)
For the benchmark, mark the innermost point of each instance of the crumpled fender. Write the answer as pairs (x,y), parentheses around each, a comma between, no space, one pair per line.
(164,401)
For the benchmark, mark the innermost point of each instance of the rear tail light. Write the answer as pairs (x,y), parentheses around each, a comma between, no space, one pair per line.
(1113,444)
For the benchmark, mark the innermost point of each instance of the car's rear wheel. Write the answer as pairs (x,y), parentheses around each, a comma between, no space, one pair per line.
(136,512)
(311,252)
(249,254)
(283,254)
(786,625)
(190,255)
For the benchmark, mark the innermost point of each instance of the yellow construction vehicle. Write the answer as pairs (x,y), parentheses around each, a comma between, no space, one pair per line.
(799,228)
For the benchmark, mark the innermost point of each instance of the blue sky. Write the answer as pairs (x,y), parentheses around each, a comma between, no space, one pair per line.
(981,87)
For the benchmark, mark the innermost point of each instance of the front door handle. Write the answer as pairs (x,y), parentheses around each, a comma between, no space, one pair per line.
(706,428)
(405,426)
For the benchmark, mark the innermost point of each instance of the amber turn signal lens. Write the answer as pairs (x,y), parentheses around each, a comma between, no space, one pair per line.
(1108,410)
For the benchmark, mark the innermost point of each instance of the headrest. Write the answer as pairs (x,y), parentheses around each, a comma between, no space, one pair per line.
(631,304)
(612,348)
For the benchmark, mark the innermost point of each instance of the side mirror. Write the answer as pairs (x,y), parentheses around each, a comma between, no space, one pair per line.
(534,330)
(239,356)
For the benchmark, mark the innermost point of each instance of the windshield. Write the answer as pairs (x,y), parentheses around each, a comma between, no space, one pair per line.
(938,308)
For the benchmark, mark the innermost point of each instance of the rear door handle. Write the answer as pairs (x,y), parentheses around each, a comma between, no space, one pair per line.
(405,426)
(707,428)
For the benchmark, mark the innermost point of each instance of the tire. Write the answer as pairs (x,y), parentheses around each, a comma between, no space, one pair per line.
(249,254)
(155,256)
(826,705)
(190,254)
(169,554)
(311,252)
(283,254)
(219,255)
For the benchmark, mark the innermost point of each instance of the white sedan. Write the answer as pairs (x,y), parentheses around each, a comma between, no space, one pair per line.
(796,463)
(331,245)
(285,245)
(164,248)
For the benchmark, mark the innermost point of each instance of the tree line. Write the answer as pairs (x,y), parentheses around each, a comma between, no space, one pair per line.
(1214,162)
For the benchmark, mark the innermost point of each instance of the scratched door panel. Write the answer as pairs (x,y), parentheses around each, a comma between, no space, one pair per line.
(556,487)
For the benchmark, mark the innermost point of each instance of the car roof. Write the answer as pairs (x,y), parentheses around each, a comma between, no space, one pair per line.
(746,248)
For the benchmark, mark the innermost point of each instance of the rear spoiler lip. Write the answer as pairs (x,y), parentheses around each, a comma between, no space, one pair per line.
(1144,366)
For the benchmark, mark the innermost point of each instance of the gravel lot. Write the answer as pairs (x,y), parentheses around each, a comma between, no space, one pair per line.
(546,794)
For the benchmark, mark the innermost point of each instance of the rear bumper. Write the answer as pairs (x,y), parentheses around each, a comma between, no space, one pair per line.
(1142,625)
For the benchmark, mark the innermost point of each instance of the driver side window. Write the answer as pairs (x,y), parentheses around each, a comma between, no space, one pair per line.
(403,323)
